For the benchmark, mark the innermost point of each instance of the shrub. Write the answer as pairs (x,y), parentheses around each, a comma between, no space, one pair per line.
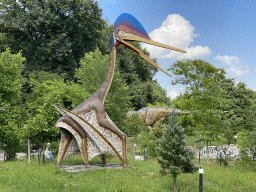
(147,139)
(135,125)
(157,130)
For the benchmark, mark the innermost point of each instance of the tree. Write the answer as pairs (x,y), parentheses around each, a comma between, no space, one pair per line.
(138,75)
(241,111)
(157,104)
(132,66)
(43,115)
(202,97)
(147,92)
(135,126)
(207,113)
(241,118)
(196,74)
(149,138)
(12,113)
(53,35)
(175,157)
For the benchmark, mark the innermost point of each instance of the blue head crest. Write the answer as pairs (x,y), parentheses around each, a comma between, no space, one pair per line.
(130,23)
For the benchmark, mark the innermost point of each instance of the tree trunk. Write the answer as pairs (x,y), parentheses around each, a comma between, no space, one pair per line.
(174,183)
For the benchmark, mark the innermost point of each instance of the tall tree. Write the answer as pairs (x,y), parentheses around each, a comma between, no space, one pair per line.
(175,157)
(11,112)
(202,97)
(55,35)
(196,74)
(241,111)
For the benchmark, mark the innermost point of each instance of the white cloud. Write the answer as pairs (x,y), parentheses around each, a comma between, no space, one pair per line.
(228,60)
(233,63)
(173,94)
(177,32)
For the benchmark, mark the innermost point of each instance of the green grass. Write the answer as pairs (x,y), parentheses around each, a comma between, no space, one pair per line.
(142,176)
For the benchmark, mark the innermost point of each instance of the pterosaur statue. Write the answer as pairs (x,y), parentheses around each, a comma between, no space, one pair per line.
(88,127)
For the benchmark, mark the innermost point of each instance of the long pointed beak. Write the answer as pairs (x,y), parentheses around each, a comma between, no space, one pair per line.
(132,37)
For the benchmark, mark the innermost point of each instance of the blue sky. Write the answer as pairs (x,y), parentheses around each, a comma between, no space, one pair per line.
(222,33)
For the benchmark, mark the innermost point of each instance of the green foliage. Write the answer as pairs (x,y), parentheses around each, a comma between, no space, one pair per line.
(157,130)
(10,77)
(138,75)
(246,142)
(148,140)
(175,157)
(10,136)
(147,92)
(187,122)
(93,70)
(104,40)
(202,98)
(43,114)
(197,73)
(157,104)
(11,112)
(132,66)
(53,35)
(241,111)
(11,146)
(91,75)
(135,125)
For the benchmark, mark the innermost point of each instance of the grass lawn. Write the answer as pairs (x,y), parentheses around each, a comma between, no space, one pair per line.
(143,176)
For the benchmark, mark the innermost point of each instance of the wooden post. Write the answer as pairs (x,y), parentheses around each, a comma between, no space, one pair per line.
(207,154)
(124,151)
(195,151)
(28,151)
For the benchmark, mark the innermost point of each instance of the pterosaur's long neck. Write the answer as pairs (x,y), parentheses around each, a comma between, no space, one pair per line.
(103,91)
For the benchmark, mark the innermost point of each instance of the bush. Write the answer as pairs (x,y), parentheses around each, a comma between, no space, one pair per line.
(11,148)
(54,147)
(246,142)
(157,130)
(245,159)
(147,139)
(134,126)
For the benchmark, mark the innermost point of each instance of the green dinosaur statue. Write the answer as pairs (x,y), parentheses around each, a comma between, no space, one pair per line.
(150,115)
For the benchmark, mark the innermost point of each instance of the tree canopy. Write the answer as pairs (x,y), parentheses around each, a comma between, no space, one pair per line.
(196,74)
(11,110)
(53,35)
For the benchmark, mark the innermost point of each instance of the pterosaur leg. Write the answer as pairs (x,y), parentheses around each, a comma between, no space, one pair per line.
(64,143)
(84,151)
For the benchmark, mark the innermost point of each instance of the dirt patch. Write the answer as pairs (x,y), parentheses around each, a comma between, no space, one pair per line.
(93,167)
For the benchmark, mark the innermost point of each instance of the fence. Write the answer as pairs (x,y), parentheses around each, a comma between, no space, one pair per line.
(140,153)
(232,151)
(35,151)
